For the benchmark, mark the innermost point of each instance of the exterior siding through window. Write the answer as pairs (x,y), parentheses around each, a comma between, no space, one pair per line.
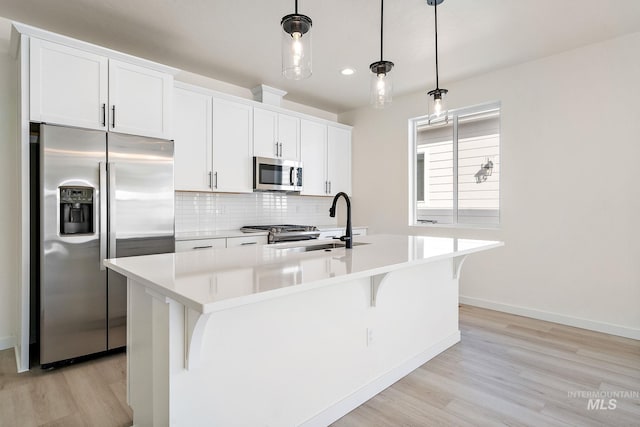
(466,191)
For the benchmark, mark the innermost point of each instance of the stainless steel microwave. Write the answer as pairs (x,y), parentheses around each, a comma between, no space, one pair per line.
(276,174)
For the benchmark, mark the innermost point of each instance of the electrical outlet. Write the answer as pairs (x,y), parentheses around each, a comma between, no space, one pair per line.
(369,336)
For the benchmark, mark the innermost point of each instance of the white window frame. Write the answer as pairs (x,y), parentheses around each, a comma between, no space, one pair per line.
(414,123)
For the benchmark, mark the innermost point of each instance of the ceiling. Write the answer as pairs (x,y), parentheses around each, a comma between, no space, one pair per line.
(238,41)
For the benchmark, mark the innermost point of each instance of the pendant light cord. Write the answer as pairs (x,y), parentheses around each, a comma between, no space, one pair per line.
(435,9)
(296,7)
(381,26)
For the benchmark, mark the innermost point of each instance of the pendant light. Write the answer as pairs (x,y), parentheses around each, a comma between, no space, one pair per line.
(296,45)
(381,84)
(437,105)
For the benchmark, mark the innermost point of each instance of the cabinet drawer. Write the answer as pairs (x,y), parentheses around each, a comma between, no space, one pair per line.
(246,240)
(190,245)
(359,231)
(330,234)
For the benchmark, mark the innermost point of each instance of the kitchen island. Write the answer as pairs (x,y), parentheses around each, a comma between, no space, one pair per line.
(280,335)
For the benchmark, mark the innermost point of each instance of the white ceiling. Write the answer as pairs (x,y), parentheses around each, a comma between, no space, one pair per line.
(238,41)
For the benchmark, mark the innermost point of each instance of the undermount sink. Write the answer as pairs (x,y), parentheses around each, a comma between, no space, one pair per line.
(320,247)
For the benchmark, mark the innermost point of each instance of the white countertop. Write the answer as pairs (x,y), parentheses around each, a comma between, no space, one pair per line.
(218,279)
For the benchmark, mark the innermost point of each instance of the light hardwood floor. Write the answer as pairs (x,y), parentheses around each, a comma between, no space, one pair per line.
(508,370)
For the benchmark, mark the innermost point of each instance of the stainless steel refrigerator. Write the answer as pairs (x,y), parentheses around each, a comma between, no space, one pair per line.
(101,196)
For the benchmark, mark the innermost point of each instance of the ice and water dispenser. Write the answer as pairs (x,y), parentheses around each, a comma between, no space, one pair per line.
(76,210)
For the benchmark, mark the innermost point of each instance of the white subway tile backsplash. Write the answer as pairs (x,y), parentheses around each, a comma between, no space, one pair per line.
(221,211)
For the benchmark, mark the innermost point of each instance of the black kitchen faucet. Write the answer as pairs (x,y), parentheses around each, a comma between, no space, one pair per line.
(347,238)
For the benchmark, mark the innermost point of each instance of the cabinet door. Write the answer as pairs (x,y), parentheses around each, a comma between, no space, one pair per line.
(232,129)
(358,231)
(140,100)
(265,133)
(193,245)
(67,86)
(289,137)
(313,153)
(232,242)
(192,133)
(339,160)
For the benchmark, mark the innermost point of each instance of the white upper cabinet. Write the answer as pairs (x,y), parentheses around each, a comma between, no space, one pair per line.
(76,87)
(265,133)
(289,137)
(338,160)
(232,131)
(140,100)
(193,141)
(212,142)
(68,86)
(313,150)
(326,159)
(275,135)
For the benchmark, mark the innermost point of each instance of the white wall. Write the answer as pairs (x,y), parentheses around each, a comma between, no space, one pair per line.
(9,202)
(570,185)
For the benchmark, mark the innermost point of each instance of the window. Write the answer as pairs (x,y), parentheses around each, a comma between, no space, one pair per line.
(455,168)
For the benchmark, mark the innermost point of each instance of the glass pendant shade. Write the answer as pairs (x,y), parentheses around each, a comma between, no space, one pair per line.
(296,46)
(437,103)
(381,84)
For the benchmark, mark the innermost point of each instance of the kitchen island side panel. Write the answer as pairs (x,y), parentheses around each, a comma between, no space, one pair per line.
(302,358)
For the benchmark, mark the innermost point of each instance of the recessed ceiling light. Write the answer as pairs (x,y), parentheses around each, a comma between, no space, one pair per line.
(347,71)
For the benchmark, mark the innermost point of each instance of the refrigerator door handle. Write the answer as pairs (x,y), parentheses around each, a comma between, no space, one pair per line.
(111,167)
(102,216)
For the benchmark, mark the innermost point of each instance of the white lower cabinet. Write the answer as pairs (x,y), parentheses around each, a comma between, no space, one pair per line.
(191,245)
(326,159)
(212,142)
(220,242)
(246,241)
(338,232)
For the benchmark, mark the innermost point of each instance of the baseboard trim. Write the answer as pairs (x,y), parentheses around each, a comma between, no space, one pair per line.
(607,328)
(357,398)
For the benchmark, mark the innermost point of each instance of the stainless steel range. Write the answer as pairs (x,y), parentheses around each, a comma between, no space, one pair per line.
(285,232)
